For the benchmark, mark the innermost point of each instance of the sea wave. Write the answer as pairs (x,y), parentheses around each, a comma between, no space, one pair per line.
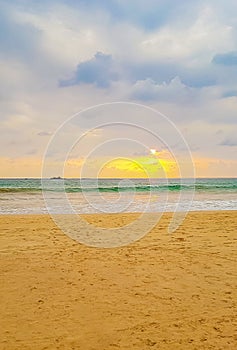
(21,189)
(112,188)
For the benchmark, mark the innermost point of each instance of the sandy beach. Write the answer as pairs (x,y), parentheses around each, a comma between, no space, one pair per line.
(165,291)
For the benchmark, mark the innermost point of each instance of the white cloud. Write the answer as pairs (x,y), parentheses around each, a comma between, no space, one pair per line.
(195,43)
(67,36)
(174,92)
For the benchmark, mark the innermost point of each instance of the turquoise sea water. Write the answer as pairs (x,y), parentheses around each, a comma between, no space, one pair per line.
(18,196)
(116,185)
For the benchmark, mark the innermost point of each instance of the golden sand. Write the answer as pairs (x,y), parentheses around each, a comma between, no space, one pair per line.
(165,291)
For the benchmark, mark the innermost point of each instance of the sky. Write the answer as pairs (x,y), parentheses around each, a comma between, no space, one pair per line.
(58,58)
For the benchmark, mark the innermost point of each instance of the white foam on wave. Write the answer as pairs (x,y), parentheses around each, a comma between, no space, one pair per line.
(18,203)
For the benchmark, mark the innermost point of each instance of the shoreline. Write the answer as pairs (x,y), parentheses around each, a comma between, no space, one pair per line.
(169,213)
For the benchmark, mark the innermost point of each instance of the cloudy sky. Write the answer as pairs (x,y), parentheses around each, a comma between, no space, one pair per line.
(60,57)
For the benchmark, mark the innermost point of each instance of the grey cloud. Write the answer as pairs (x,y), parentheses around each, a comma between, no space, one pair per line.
(226,59)
(44,133)
(17,39)
(148,90)
(99,70)
(149,14)
(232,142)
(102,70)
(162,71)
(140,154)
(32,152)
(230,93)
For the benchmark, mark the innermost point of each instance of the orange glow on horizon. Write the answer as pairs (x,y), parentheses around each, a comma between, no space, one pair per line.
(136,167)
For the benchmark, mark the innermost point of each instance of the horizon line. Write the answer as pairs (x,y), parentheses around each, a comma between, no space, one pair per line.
(114,178)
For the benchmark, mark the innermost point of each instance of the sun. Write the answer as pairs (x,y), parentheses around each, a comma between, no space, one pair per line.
(153,151)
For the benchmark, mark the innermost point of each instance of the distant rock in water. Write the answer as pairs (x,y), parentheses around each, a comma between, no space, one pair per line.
(56,178)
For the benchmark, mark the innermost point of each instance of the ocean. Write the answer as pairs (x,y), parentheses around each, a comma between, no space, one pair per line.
(25,196)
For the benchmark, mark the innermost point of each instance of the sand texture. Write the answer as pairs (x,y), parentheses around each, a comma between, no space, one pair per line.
(165,291)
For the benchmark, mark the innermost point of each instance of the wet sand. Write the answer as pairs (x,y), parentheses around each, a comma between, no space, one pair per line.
(165,291)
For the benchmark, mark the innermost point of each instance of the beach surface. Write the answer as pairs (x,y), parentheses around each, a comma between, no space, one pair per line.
(165,291)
